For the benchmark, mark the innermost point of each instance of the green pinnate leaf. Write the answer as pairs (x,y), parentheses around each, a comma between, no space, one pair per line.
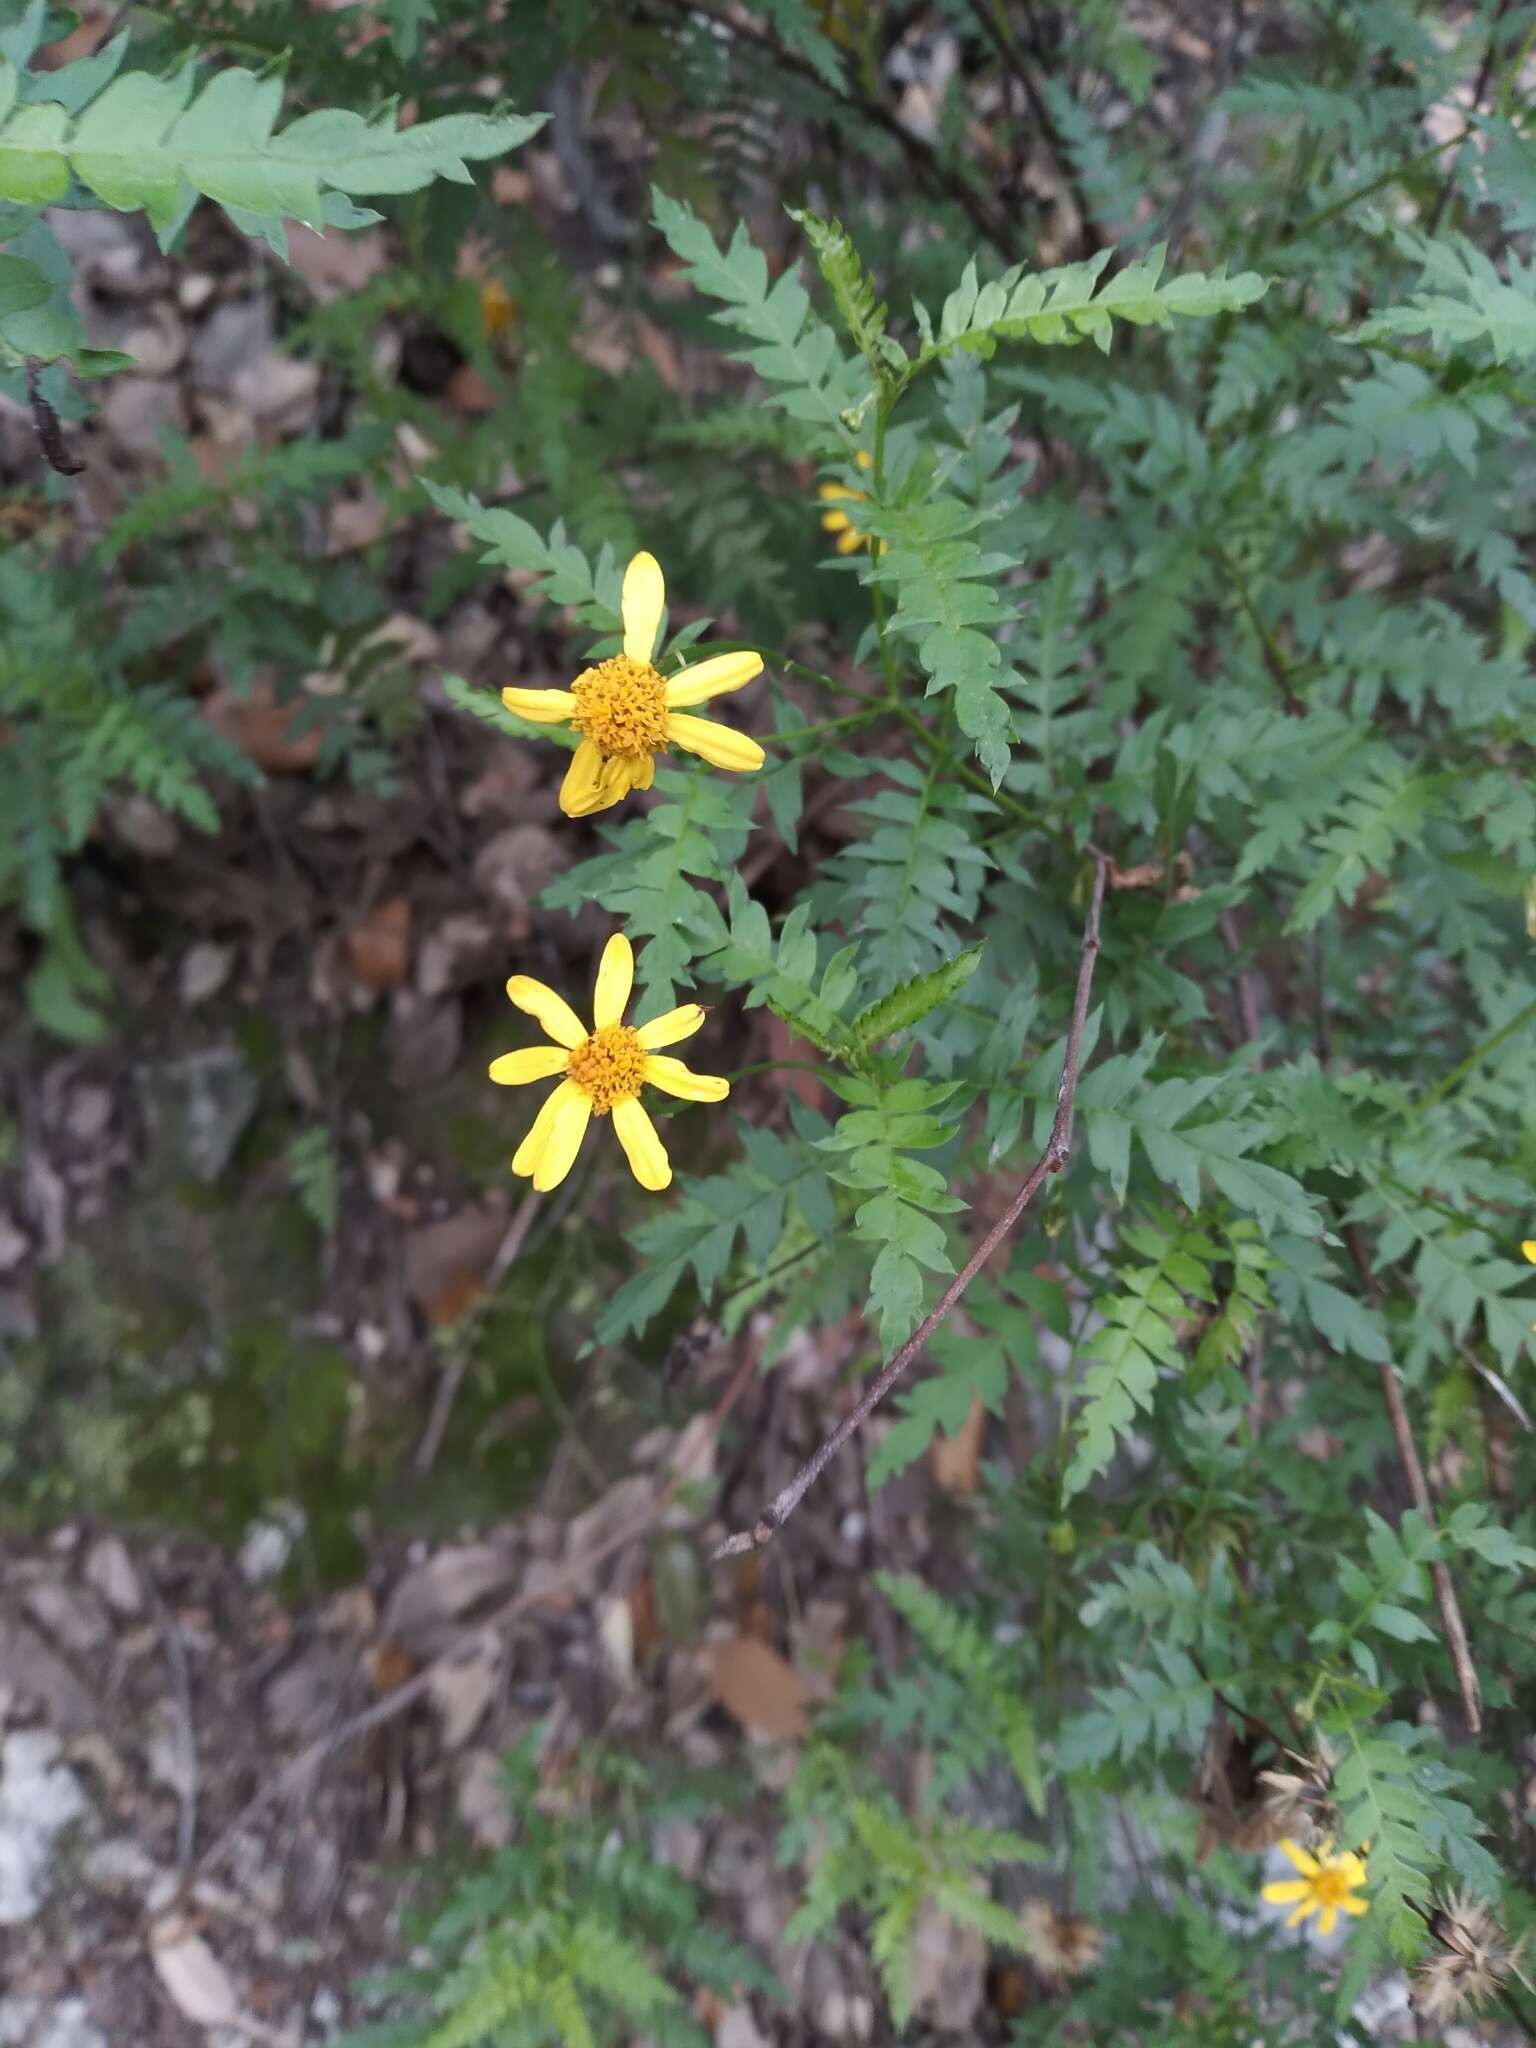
(909,1004)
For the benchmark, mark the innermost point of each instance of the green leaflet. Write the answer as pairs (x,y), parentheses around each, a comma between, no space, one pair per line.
(853,292)
(1070,304)
(795,353)
(1477,306)
(948,604)
(149,143)
(911,1002)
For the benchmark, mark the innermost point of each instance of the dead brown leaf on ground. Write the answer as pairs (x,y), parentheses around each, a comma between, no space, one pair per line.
(379,947)
(759,1687)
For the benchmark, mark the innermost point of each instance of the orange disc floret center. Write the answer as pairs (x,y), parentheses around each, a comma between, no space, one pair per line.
(1331,1885)
(609,1066)
(622,705)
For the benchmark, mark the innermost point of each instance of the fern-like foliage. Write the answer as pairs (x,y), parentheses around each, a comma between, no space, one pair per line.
(1077,303)
(574,1935)
(794,352)
(152,144)
(875,1859)
(698,1238)
(1474,307)
(141,143)
(948,605)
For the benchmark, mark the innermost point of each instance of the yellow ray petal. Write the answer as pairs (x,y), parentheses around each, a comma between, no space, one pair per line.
(671,1027)
(849,541)
(712,678)
(1327,1919)
(579,791)
(645,594)
(836,522)
(1286,1891)
(676,1079)
(830,493)
(1307,1906)
(643,1149)
(1298,1858)
(537,1063)
(718,744)
(620,775)
(526,1158)
(1356,1905)
(1352,1868)
(552,1011)
(567,1128)
(1528,1247)
(544,707)
(615,979)
(643,771)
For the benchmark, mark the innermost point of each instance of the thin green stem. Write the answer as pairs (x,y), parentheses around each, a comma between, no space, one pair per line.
(1377,184)
(808,732)
(1458,1074)
(1280,671)
(779,659)
(959,769)
(876,593)
(775,1066)
(1511,78)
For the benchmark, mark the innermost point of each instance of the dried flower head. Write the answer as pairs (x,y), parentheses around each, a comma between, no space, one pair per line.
(1248,1808)
(1059,1946)
(1298,1801)
(1472,1963)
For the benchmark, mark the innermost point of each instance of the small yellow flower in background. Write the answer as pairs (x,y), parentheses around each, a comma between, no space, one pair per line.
(604,1068)
(848,541)
(498,308)
(1528,1246)
(1324,1886)
(627,712)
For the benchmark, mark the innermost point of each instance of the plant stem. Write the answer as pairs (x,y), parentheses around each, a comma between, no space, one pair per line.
(1458,1074)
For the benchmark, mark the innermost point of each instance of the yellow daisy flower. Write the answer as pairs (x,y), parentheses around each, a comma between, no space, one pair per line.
(604,1068)
(848,541)
(627,712)
(1324,1886)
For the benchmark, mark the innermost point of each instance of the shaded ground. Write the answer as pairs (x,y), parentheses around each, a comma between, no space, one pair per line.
(290,1386)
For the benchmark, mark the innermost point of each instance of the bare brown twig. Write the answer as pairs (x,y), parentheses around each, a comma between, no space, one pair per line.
(298,1768)
(448,1386)
(1418,1486)
(1051,1160)
(924,160)
(186,1732)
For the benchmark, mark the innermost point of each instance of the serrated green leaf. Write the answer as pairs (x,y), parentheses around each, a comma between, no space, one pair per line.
(914,1000)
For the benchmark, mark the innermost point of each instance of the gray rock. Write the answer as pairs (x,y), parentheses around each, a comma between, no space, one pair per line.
(109,1570)
(27,2023)
(39,1799)
(198,1105)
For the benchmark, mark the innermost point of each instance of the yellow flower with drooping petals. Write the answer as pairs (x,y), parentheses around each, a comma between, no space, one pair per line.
(627,712)
(1324,1887)
(604,1069)
(849,540)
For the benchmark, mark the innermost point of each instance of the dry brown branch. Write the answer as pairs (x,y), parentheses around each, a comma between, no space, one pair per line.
(186,1732)
(293,1774)
(448,1386)
(1051,1160)
(1418,1486)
